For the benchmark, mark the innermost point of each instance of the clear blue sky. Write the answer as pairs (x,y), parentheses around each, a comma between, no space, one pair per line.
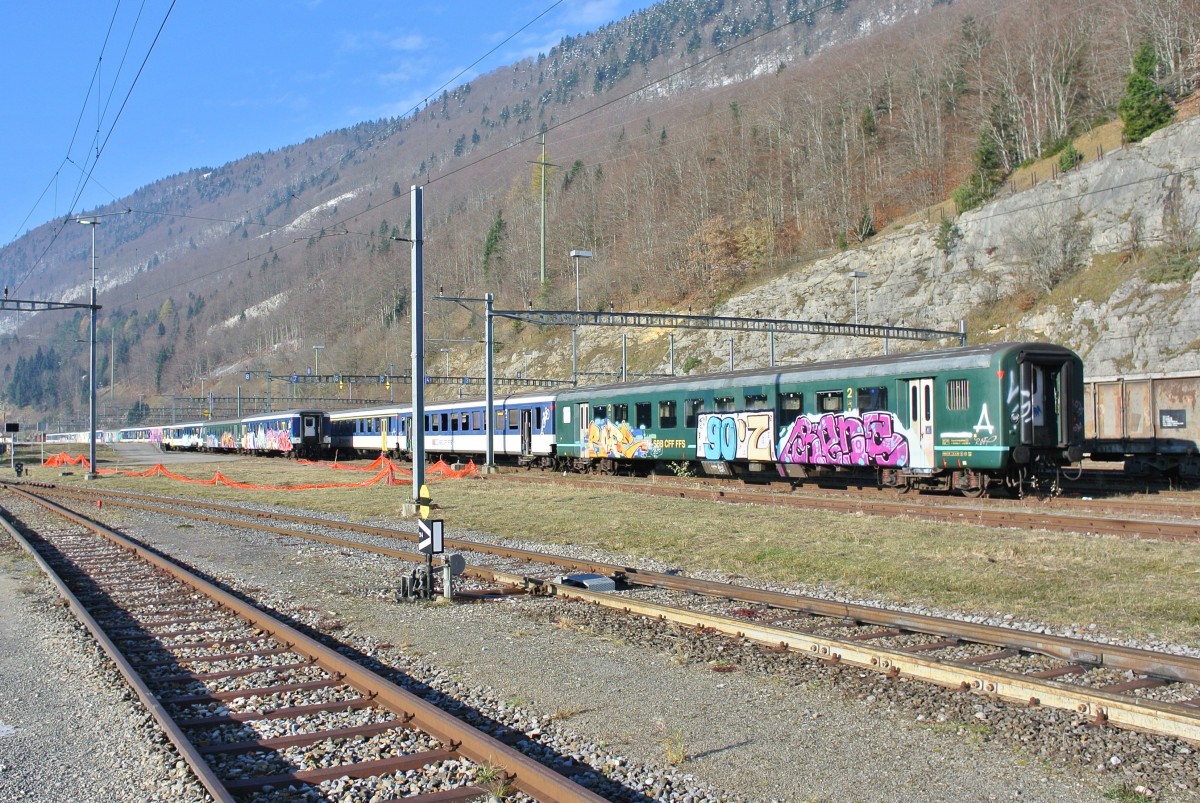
(225,79)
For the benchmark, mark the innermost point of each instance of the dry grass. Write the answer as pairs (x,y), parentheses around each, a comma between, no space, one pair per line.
(1133,587)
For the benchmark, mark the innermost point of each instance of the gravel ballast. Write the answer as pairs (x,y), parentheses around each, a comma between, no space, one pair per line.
(626,695)
(69,728)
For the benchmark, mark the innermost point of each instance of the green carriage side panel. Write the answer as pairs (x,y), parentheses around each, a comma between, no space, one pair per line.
(923,411)
(632,422)
(1029,397)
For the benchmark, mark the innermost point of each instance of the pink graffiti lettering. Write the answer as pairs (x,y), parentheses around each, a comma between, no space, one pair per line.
(885,446)
(845,440)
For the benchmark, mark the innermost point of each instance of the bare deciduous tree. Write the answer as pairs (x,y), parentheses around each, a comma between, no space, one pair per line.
(1051,246)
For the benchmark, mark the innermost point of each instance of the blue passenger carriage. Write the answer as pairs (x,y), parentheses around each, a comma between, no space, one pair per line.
(371,431)
(523,429)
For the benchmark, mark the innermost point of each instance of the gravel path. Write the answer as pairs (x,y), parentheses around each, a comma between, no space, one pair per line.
(627,694)
(68,728)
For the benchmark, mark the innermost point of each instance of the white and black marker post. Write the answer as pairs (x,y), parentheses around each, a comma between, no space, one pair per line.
(430,540)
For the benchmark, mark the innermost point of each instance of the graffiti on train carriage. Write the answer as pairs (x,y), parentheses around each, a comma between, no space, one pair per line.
(616,439)
(875,438)
(746,435)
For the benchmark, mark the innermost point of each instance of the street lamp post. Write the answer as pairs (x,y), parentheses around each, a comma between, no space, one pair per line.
(856,275)
(91,475)
(576,255)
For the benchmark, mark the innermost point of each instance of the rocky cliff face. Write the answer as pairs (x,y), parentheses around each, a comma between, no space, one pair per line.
(998,271)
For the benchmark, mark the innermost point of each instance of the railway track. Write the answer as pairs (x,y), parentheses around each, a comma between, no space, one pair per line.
(254,705)
(1107,684)
(1093,517)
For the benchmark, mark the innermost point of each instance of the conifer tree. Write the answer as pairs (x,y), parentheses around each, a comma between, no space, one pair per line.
(1145,107)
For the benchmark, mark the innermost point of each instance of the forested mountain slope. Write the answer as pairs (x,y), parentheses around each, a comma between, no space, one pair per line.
(698,149)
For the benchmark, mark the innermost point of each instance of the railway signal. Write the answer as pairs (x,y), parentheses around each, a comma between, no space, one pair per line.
(432,540)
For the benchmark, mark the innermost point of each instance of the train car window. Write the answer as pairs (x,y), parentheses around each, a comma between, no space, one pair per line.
(958,394)
(500,421)
(466,421)
(620,412)
(454,422)
(666,414)
(756,401)
(870,399)
(723,404)
(929,402)
(791,407)
(600,412)
(476,420)
(445,422)
(427,426)
(642,415)
(691,412)
(514,419)
(830,401)
(566,414)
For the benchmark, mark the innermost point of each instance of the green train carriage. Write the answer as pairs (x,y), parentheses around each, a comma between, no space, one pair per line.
(957,419)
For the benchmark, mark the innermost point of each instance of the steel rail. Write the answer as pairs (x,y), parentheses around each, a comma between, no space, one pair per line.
(1173,667)
(536,780)
(173,732)
(1101,707)
(1041,520)
(1180,721)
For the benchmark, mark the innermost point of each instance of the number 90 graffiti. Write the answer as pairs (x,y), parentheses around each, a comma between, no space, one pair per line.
(738,435)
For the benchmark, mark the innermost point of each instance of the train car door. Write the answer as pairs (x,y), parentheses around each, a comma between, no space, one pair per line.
(311,430)
(526,430)
(1039,414)
(920,422)
(585,423)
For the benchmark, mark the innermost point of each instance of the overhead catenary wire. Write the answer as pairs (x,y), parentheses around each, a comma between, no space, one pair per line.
(340,228)
(99,144)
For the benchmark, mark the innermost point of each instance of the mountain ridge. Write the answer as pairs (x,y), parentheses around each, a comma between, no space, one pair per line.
(683,196)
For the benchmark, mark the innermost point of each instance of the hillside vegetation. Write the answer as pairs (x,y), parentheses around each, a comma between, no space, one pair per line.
(699,149)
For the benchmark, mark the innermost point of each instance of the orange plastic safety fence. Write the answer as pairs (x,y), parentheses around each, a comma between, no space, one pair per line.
(158,470)
(438,469)
(386,472)
(64,459)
